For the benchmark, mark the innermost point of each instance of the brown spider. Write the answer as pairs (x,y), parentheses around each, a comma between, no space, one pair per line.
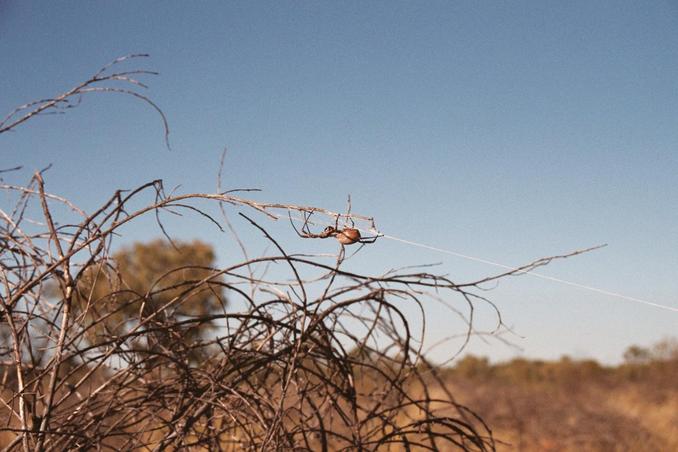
(346,235)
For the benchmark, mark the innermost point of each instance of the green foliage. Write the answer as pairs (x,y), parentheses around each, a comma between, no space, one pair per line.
(152,286)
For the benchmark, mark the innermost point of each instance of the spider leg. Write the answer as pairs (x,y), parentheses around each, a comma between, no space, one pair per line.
(295,228)
(305,229)
(356,251)
(369,239)
(348,213)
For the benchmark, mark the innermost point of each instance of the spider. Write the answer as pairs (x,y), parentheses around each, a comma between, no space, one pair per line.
(346,235)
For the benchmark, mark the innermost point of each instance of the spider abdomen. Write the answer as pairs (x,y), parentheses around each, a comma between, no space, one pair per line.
(348,236)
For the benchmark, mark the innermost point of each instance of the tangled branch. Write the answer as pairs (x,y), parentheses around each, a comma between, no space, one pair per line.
(307,356)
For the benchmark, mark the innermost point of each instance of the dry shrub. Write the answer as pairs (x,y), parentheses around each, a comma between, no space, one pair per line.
(314,357)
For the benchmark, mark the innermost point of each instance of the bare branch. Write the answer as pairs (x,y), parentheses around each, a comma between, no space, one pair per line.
(313,357)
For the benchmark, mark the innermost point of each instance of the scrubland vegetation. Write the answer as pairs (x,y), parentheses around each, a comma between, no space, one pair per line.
(153,346)
(573,405)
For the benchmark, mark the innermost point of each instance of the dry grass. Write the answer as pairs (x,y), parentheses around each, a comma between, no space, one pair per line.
(572,405)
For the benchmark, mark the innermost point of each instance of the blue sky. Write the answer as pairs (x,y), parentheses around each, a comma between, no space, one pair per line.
(504,131)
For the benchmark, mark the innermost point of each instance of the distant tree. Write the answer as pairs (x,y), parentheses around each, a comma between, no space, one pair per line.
(666,350)
(637,355)
(151,285)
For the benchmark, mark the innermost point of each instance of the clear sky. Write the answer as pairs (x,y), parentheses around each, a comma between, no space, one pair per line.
(507,131)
